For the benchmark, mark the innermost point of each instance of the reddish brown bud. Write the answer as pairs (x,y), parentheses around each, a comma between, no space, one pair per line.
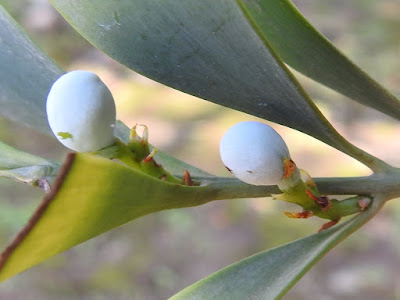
(300,215)
(322,201)
(329,224)
(187,178)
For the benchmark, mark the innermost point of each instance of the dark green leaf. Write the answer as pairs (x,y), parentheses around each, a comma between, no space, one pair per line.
(208,49)
(205,48)
(306,50)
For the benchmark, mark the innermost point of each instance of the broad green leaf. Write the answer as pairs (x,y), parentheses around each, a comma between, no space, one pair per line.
(26,75)
(270,274)
(305,49)
(93,195)
(206,48)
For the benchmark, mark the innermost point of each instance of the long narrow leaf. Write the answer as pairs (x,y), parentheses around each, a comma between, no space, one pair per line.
(205,48)
(26,75)
(270,274)
(25,167)
(11,158)
(306,50)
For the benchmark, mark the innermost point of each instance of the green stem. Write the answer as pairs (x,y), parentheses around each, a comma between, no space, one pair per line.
(369,185)
(138,160)
(375,164)
(342,208)
(231,188)
(364,217)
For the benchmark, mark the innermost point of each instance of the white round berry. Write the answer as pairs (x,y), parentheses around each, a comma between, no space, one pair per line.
(81,112)
(254,153)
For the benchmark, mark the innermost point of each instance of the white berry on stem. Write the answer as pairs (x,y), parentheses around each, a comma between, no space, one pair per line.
(81,112)
(256,154)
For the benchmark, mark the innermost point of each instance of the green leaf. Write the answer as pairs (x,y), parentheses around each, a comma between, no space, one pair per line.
(11,158)
(205,48)
(26,75)
(25,167)
(300,45)
(93,195)
(270,274)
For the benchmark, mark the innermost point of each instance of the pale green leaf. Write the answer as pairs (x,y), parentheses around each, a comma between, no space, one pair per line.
(21,166)
(270,274)
(11,158)
(26,75)
(93,195)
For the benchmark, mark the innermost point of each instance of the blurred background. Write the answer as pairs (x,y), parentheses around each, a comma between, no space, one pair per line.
(157,255)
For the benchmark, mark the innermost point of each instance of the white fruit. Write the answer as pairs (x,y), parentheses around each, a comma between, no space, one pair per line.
(254,153)
(81,112)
